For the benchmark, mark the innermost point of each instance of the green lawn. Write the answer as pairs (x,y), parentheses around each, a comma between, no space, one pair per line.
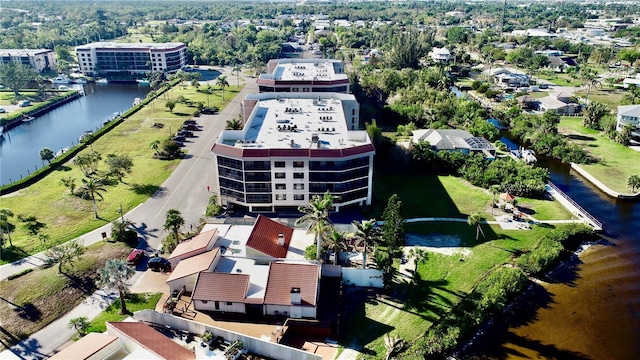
(613,98)
(616,162)
(560,79)
(68,216)
(135,302)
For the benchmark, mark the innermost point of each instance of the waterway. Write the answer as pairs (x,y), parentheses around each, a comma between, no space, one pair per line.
(20,147)
(588,308)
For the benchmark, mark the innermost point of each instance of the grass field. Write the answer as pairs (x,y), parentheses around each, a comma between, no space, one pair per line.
(67,216)
(561,80)
(135,302)
(613,98)
(615,162)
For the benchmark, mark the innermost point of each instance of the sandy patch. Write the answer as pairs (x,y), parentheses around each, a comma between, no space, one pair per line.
(441,244)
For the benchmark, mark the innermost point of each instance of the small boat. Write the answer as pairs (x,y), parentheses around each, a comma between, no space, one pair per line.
(136,101)
(143,82)
(85,135)
(102,81)
(63,87)
(60,79)
(61,151)
(79,80)
(27,118)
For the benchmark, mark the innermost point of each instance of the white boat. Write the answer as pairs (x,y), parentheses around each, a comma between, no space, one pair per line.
(63,87)
(79,81)
(27,118)
(60,79)
(85,135)
(102,81)
(143,82)
(136,101)
(61,151)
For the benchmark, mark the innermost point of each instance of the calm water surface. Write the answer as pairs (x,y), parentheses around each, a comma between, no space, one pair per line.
(20,147)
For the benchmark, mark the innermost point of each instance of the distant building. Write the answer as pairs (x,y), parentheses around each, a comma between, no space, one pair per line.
(629,115)
(291,50)
(304,75)
(441,55)
(294,146)
(134,58)
(555,104)
(39,60)
(455,140)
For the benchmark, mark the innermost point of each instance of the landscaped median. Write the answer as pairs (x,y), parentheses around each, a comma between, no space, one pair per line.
(68,216)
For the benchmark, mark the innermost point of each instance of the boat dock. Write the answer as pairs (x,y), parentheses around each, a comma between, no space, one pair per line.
(573,207)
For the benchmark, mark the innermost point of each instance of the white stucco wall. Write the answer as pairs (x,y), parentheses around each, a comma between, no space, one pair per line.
(223,306)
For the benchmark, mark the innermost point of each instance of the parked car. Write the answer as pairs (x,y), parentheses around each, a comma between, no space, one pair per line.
(209,111)
(2,110)
(190,121)
(135,257)
(190,127)
(185,133)
(178,138)
(159,263)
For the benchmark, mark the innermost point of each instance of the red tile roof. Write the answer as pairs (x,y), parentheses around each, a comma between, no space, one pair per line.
(196,245)
(151,340)
(284,276)
(213,286)
(264,237)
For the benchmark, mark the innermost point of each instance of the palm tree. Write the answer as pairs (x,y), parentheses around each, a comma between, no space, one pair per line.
(633,182)
(316,216)
(419,256)
(222,82)
(592,113)
(90,189)
(5,225)
(495,190)
(155,145)
(367,232)
(475,220)
(174,222)
(47,155)
(237,68)
(336,243)
(80,324)
(234,124)
(116,274)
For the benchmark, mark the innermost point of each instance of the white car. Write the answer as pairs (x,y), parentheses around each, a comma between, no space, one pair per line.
(2,110)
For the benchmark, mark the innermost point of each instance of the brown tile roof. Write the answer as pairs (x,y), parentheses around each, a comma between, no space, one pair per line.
(151,340)
(284,276)
(264,237)
(86,347)
(194,264)
(213,286)
(196,245)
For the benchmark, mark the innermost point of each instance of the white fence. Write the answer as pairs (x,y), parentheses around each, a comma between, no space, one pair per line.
(362,277)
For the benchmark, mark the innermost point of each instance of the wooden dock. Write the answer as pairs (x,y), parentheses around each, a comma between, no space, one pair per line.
(573,207)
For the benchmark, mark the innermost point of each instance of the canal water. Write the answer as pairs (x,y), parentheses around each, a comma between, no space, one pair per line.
(588,308)
(20,147)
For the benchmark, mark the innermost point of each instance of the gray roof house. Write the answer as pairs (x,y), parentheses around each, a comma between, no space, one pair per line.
(629,115)
(455,140)
(552,103)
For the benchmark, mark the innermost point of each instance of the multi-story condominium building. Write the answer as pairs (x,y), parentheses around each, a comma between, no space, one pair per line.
(294,146)
(40,60)
(304,75)
(105,57)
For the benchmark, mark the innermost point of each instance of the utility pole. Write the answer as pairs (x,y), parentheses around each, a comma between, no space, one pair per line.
(504,9)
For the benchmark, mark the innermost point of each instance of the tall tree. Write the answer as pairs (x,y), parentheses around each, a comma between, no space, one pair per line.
(368,233)
(119,165)
(316,216)
(47,155)
(495,190)
(476,221)
(592,113)
(91,189)
(336,242)
(64,254)
(222,82)
(237,69)
(5,226)
(115,275)
(173,222)
(16,76)
(419,256)
(633,182)
(393,229)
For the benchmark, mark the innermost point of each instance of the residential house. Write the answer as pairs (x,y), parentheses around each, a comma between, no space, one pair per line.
(292,290)
(551,103)
(199,244)
(269,239)
(185,274)
(224,292)
(455,140)
(634,81)
(629,115)
(441,55)
(557,64)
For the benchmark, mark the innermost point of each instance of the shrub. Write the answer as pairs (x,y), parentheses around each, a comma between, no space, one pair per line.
(540,258)
(213,209)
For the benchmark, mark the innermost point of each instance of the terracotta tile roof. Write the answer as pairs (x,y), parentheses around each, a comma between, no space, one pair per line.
(86,347)
(196,245)
(213,286)
(194,264)
(151,340)
(264,237)
(284,276)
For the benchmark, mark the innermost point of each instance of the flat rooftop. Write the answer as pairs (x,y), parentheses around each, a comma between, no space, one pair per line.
(296,123)
(23,52)
(125,46)
(296,70)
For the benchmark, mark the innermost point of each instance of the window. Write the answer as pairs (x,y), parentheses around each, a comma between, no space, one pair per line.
(297,175)
(280,175)
(298,186)
(281,186)
(281,197)
(279,164)
(353,111)
(229,303)
(298,164)
(298,196)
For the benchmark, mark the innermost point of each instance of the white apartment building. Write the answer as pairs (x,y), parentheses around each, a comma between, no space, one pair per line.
(294,146)
(304,75)
(135,58)
(40,60)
